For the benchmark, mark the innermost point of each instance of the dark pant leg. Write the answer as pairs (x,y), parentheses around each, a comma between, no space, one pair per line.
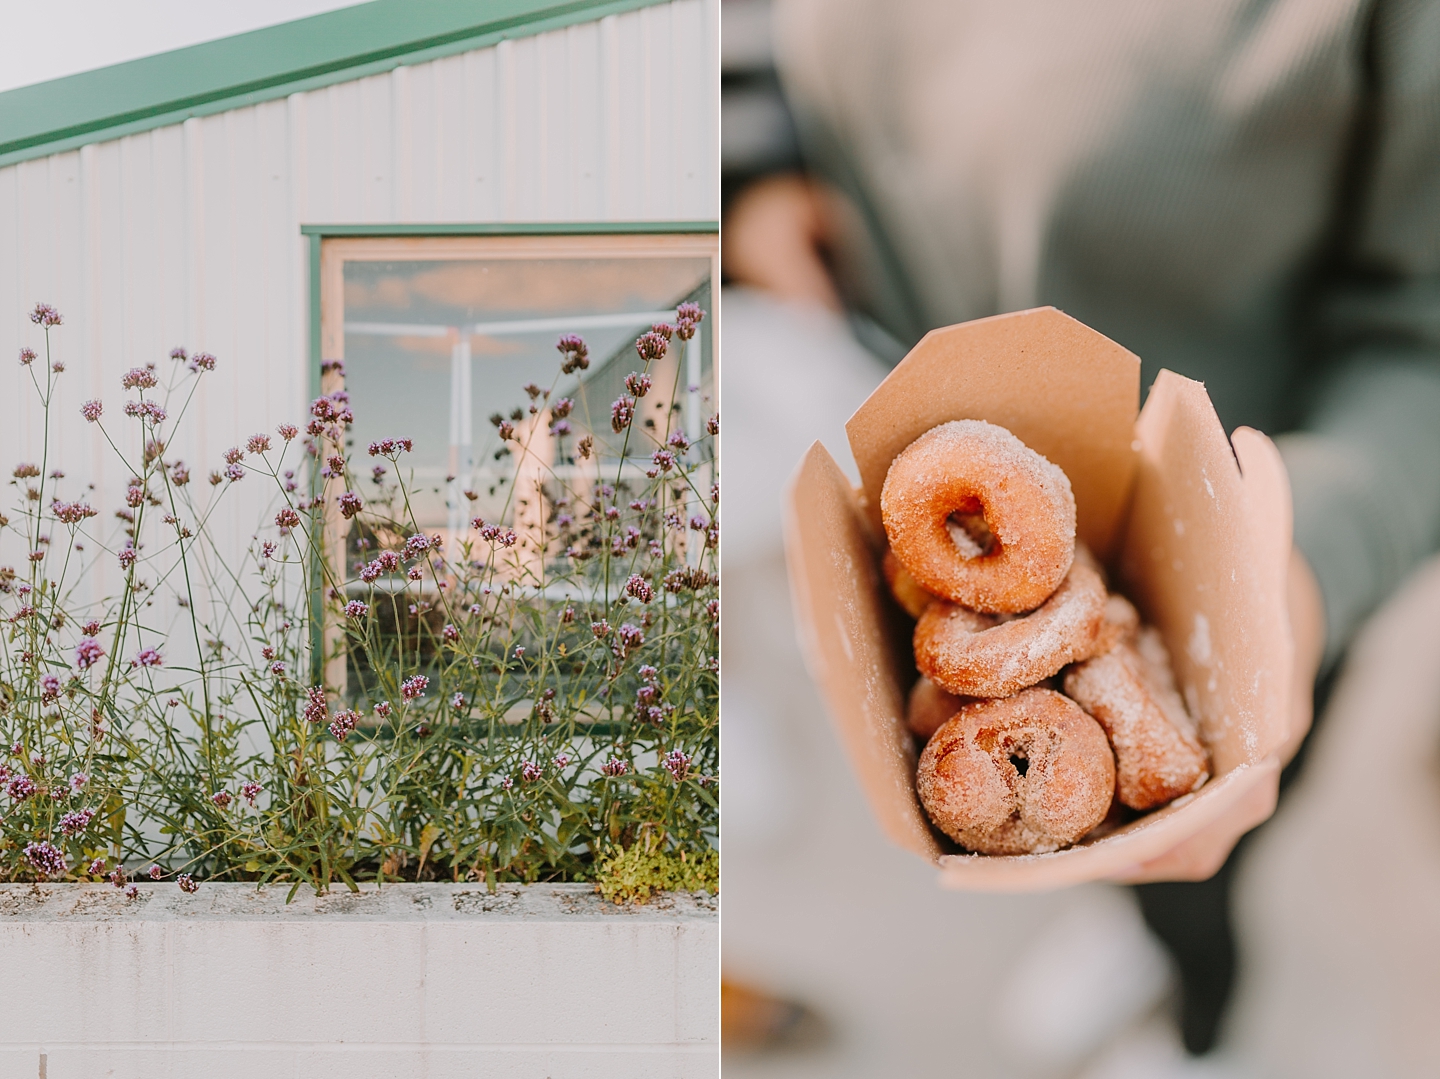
(1193,921)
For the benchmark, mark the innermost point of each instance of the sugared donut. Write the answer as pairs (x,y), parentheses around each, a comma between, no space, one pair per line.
(972,469)
(1121,623)
(1022,775)
(1157,756)
(976,655)
(930,708)
(903,586)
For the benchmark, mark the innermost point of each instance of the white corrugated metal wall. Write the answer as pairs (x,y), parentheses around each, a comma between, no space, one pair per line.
(190,234)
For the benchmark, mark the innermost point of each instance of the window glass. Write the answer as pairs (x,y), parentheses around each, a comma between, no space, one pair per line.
(435,349)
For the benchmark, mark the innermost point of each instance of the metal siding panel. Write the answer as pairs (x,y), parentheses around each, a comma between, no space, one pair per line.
(584,151)
(189,234)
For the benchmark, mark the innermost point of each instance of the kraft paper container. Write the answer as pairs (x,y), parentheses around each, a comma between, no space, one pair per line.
(1193,527)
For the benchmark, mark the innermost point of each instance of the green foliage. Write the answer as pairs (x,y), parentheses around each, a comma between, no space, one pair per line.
(634,875)
(358,700)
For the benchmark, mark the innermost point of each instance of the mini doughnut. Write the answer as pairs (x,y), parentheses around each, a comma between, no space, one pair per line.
(976,655)
(1024,775)
(1121,623)
(1130,692)
(903,586)
(969,469)
(930,708)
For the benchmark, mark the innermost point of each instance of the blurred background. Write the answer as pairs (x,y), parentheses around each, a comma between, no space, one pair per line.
(1316,950)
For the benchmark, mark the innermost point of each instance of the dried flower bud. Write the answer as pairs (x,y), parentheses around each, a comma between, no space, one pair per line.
(622,412)
(576,353)
(651,346)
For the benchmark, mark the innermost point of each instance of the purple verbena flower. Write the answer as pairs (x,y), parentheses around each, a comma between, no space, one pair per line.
(221,799)
(45,858)
(638,384)
(258,444)
(75,822)
(344,722)
(138,378)
(677,764)
(651,346)
(350,504)
(45,315)
(20,787)
(621,413)
(575,351)
(287,431)
(530,771)
(383,709)
(88,653)
(146,657)
(316,710)
(92,410)
(202,361)
(414,687)
(187,883)
(250,790)
(287,518)
(27,357)
(614,767)
(628,639)
(640,588)
(356,609)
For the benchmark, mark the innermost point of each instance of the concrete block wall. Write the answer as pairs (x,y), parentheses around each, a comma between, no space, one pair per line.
(423,980)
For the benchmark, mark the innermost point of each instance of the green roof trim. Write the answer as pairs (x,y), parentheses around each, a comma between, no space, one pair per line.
(262,65)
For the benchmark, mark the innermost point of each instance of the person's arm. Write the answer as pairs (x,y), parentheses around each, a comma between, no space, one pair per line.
(1365,468)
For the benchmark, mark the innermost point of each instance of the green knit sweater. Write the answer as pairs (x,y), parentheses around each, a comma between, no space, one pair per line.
(1244,191)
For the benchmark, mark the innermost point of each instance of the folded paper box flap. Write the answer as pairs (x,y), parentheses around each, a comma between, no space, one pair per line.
(1064,390)
(1199,541)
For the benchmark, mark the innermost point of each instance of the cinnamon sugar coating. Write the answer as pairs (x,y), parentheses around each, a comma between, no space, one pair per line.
(1121,623)
(973,469)
(976,655)
(971,783)
(1129,691)
(930,708)
(906,590)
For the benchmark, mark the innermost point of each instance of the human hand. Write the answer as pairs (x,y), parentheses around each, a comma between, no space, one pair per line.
(1201,856)
(774,239)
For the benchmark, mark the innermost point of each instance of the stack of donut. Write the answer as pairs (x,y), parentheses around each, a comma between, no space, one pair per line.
(1010,611)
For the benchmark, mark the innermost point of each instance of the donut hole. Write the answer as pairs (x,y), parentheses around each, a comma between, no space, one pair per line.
(1020,762)
(969,530)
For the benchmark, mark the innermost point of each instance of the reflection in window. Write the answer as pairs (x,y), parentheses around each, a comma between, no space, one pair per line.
(435,350)
(458,355)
